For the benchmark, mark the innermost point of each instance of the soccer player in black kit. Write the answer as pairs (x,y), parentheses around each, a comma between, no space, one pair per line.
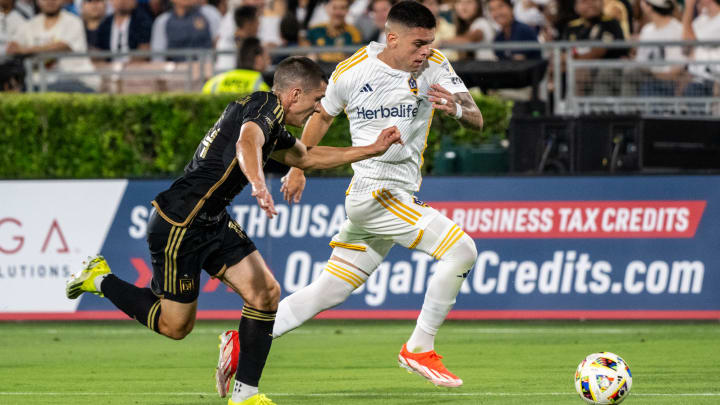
(192,230)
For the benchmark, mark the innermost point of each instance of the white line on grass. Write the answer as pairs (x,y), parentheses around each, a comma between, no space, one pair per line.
(358,394)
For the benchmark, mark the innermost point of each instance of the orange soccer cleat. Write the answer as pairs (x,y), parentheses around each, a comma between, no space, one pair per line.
(227,361)
(429,366)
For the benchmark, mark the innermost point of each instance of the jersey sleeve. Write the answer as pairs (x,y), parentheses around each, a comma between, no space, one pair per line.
(335,98)
(265,110)
(444,73)
(285,140)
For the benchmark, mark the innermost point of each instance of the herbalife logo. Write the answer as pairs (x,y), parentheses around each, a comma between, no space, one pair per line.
(366,88)
(401,111)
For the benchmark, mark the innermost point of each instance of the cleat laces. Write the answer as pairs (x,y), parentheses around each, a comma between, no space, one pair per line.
(263,400)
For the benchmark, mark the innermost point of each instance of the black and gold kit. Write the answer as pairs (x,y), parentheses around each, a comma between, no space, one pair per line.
(191,229)
(602,28)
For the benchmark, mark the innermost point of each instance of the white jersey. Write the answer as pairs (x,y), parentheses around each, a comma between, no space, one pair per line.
(376,96)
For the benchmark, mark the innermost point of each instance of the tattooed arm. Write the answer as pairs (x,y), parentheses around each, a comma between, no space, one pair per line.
(445,101)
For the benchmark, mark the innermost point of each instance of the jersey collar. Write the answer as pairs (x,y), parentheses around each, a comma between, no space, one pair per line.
(373,49)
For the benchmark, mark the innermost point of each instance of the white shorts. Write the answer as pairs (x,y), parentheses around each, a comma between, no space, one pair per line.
(387,217)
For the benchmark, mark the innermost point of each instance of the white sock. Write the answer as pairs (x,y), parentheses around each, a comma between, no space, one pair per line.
(325,292)
(98,282)
(442,290)
(420,341)
(242,391)
(285,320)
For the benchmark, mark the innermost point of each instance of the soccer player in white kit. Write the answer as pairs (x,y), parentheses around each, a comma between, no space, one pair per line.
(402,83)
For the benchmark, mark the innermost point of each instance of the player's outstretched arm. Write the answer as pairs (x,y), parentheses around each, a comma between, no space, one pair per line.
(326,157)
(315,129)
(248,150)
(459,105)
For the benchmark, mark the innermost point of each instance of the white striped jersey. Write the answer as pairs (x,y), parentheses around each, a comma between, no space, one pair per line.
(376,96)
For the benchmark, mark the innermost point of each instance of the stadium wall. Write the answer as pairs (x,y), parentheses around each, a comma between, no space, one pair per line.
(640,247)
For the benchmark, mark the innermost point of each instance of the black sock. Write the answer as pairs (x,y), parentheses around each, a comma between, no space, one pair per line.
(255,333)
(139,303)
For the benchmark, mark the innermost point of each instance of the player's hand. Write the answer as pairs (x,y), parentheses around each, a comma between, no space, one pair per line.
(264,199)
(442,100)
(293,184)
(388,137)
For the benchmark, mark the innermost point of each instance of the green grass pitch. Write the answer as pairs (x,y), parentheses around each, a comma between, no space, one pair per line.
(354,362)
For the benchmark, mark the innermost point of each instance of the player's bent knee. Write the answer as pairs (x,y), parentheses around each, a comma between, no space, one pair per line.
(266,299)
(273,295)
(176,319)
(176,329)
(335,290)
(464,252)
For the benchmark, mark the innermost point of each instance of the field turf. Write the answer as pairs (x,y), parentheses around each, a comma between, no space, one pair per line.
(335,362)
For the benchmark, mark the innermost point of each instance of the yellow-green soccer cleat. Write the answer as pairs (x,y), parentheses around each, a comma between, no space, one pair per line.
(257,399)
(85,280)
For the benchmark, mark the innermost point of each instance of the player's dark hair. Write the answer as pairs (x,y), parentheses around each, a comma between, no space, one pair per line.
(667,8)
(298,69)
(248,50)
(663,11)
(508,3)
(412,15)
(244,15)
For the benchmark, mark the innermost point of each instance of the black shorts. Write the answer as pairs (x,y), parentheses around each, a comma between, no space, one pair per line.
(179,254)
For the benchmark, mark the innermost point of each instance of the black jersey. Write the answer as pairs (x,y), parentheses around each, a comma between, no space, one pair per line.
(604,29)
(213,177)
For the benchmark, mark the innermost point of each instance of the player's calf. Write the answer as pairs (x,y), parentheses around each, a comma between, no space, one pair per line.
(96,278)
(332,287)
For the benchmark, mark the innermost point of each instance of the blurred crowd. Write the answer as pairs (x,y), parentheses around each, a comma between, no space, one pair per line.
(255,26)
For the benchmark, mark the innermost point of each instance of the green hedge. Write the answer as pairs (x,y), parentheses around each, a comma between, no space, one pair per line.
(105,136)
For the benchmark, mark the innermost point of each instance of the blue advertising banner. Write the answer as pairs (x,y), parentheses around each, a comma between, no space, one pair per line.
(640,247)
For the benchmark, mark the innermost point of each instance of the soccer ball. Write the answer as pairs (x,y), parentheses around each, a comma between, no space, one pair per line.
(603,378)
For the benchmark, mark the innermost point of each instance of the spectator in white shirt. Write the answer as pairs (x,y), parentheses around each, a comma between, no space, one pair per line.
(531,12)
(662,26)
(472,27)
(10,22)
(268,33)
(56,30)
(706,27)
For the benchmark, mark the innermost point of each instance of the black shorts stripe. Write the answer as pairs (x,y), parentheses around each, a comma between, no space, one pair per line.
(173,262)
(171,240)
